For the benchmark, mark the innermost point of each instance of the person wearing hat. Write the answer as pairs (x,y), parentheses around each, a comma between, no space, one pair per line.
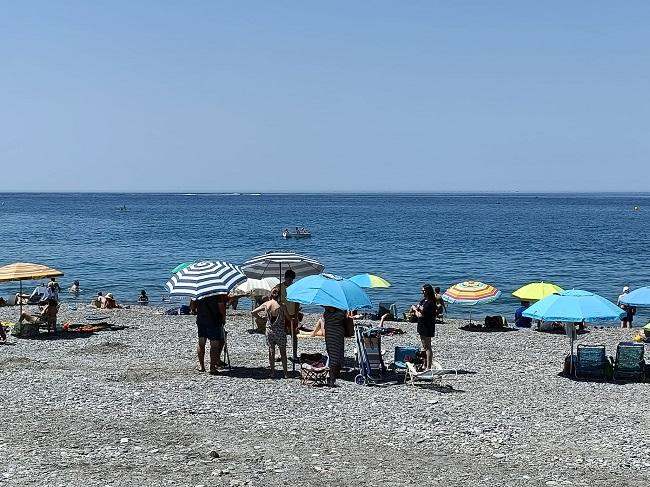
(626,321)
(109,302)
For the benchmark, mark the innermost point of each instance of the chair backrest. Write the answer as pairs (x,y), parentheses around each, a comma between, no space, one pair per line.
(405,354)
(384,308)
(591,358)
(629,357)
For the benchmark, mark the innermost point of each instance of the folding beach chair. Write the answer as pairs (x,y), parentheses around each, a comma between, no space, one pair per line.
(592,363)
(403,355)
(436,376)
(313,369)
(629,363)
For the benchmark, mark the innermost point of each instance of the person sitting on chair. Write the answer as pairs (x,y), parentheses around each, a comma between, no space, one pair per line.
(441,306)
(47,315)
(522,321)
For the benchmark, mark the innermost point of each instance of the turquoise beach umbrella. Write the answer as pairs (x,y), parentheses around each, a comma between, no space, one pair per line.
(639,297)
(575,305)
(182,266)
(328,290)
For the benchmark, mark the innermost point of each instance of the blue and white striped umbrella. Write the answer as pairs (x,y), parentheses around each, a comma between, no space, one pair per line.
(274,264)
(206,278)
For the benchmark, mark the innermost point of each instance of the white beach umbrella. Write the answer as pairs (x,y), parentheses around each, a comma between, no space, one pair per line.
(274,264)
(256,287)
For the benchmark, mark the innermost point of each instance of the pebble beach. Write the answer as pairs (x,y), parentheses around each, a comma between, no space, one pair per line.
(127,407)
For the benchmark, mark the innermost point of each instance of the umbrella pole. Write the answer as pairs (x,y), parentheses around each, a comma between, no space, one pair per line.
(21,300)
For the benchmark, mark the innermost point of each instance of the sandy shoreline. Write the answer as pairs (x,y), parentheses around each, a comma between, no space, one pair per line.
(126,408)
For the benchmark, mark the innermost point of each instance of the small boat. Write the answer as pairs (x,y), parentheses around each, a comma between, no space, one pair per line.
(297,233)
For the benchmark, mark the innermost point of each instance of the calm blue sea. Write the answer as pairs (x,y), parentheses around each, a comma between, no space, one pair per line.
(594,242)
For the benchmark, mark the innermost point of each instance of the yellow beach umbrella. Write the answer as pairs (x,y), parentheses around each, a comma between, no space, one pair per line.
(535,291)
(26,271)
(369,281)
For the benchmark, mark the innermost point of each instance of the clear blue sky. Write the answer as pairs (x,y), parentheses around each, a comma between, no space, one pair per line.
(325,96)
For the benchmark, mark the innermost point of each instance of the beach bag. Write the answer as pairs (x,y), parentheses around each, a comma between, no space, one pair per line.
(348,327)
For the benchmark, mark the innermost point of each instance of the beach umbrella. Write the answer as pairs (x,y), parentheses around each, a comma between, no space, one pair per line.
(328,290)
(26,271)
(206,278)
(639,297)
(182,266)
(535,291)
(471,293)
(573,306)
(274,264)
(369,281)
(256,287)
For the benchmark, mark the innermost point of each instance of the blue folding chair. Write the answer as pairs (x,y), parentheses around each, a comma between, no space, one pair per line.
(629,363)
(592,363)
(403,355)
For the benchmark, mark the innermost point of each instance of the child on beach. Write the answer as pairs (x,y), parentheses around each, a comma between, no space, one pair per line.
(143,299)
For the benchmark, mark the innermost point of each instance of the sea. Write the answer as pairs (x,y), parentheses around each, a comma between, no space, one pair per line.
(122,243)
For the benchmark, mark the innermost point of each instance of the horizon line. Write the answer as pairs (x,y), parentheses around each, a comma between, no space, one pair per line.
(341,192)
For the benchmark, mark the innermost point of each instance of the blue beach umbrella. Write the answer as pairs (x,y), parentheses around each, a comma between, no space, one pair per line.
(575,305)
(328,290)
(639,297)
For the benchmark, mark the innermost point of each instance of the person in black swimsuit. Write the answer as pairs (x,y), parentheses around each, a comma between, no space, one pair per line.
(426,313)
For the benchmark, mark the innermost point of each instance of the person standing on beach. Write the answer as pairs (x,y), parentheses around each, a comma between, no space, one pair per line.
(275,330)
(334,341)
(291,308)
(210,320)
(626,321)
(426,313)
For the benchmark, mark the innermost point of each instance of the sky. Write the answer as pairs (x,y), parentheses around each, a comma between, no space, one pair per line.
(301,96)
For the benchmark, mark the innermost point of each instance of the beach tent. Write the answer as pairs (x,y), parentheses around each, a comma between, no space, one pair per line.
(26,271)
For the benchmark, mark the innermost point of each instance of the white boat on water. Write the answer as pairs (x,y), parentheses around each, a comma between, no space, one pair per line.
(297,233)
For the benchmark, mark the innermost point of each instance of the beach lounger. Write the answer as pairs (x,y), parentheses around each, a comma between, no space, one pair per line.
(436,376)
(592,363)
(629,363)
(403,355)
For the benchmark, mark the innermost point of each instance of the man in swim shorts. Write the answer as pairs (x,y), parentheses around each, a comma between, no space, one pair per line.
(210,320)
